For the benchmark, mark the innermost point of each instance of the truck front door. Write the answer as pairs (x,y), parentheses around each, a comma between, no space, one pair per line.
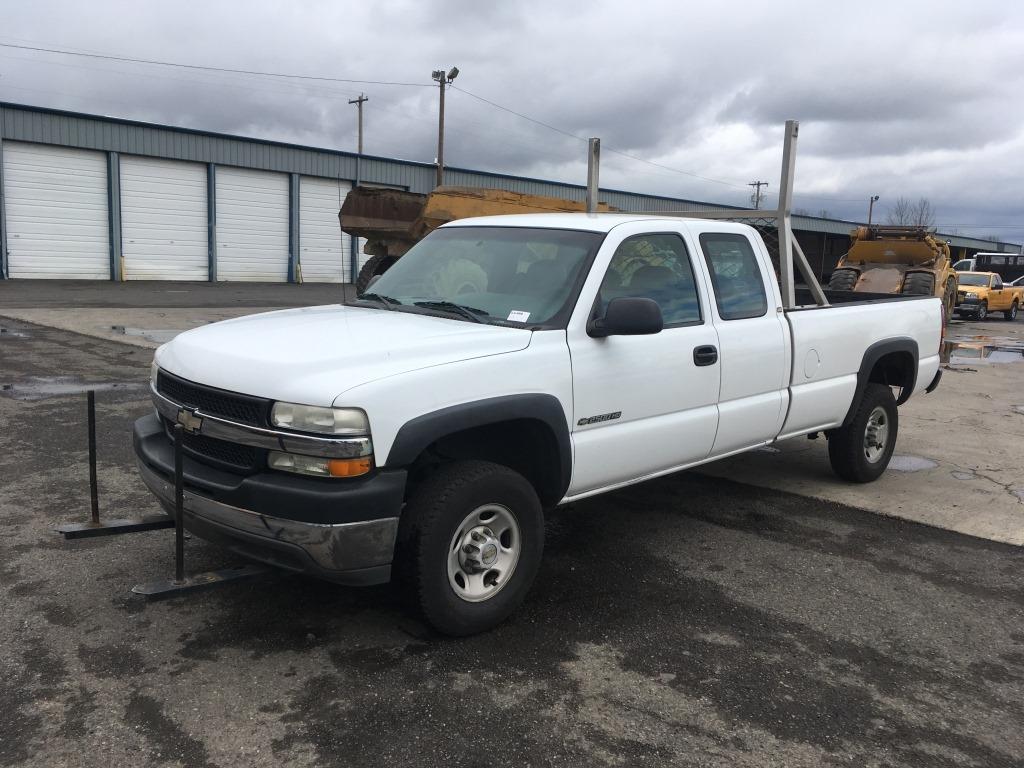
(643,404)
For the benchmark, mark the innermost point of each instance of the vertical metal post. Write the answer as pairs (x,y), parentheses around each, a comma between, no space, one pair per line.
(440,137)
(3,213)
(179,508)
(211,221)
(593,171)
(94,496)
(114,215)
(294,256)
(785,225)
(359,105)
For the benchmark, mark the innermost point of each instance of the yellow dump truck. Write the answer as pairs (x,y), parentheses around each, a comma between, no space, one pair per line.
(392,220)
(890,259)
(981,293)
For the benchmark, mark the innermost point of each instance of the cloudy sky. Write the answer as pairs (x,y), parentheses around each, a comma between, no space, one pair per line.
(912,99)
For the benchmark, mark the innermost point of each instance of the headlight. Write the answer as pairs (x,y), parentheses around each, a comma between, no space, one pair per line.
(324,421)
(971,295)
(319,467)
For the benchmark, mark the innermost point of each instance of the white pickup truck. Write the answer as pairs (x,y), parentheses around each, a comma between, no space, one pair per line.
(505,366)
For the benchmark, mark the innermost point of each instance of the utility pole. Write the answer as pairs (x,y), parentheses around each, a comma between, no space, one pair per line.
(442,80)
(871,206)
(756,197)
(359,105)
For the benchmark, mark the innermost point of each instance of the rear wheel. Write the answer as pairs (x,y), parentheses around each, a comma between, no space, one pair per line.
(375,265)
(860,451)
(469,546)
(919,284)
(1011,313)
(948,301)
(843,280)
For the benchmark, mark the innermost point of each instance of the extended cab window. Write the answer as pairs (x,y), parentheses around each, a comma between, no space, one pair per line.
(654,267)
(735,275)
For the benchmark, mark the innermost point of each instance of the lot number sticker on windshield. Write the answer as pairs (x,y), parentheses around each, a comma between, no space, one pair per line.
(518,316)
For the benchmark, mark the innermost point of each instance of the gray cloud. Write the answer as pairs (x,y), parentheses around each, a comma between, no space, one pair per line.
(915,98)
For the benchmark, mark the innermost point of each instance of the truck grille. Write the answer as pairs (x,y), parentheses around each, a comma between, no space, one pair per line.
(230,456)
(233,406)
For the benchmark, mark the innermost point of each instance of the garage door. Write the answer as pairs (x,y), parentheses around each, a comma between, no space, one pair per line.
(323,249)
(163,220)
(252,225)
(56,204)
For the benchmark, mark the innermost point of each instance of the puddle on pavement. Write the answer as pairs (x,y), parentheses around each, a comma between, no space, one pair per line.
(10,333)
(1018,408)
(907,463)
(41,387)
(982,349)
(157,336)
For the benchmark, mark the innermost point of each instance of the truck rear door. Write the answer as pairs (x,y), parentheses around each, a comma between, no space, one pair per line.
(754,342)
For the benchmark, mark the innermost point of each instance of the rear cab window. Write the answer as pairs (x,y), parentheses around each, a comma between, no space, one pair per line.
(735,275)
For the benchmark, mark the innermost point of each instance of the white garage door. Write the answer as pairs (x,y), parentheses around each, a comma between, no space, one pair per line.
(252,225)
(56,204)
(163,220)
(324,249)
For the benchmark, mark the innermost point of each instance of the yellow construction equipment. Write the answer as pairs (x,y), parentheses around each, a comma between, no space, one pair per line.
(392,220)
(894,259)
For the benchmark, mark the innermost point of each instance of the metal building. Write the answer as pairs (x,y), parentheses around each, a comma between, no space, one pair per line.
(90,197)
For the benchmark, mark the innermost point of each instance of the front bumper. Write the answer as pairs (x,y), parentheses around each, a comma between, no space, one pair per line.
(340,530)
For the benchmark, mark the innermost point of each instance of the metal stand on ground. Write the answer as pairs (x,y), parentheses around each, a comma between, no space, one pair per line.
(95,526)
(182,583)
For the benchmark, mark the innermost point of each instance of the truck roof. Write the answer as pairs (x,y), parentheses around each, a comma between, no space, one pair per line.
(593,222)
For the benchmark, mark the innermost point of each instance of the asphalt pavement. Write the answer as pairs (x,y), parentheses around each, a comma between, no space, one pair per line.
(686,621)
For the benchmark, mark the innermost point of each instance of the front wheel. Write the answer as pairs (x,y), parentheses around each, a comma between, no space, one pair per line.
(469,546)
(982,310)
(1011,313)
(861,450)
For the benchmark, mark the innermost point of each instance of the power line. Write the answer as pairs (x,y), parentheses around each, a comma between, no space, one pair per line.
(606,149)
(110,57)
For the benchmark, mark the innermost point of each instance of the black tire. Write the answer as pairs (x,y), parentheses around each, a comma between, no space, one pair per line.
(982,312)
(375,265)
(1011,313)
(918,284)
(847,451)
(843,280)
(948,301)
(430,520)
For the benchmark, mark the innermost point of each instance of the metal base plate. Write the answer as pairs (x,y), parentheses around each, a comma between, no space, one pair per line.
(115,527)
(170,587)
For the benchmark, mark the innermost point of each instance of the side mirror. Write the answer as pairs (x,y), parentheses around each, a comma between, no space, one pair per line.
(628,316)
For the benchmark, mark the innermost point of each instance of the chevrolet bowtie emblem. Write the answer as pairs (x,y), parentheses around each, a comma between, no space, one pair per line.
(190,421)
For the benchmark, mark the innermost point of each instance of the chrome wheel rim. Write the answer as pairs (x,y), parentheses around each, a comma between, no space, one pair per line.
(483,553)
(876,435)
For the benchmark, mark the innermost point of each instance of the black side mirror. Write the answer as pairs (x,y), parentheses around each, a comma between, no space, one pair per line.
(628,316)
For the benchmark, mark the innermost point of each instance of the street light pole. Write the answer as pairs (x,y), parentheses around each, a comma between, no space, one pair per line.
(442,80)
(871,205)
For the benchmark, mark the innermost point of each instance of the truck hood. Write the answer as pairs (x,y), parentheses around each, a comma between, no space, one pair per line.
(312,355)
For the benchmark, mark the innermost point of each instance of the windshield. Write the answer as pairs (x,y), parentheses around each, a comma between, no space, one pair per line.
(509,275)
(973,279)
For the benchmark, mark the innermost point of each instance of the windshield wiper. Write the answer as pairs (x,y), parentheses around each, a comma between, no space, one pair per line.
(470,313)
(387,301)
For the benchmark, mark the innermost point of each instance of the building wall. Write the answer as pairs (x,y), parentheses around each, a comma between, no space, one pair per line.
(127,138)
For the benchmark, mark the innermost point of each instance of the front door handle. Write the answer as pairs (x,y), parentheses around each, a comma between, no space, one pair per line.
(706,355)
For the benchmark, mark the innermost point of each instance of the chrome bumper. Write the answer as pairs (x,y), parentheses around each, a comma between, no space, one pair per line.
(333,551)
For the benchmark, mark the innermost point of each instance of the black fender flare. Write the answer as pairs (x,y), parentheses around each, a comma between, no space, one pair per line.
(872,355)
(415,435)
